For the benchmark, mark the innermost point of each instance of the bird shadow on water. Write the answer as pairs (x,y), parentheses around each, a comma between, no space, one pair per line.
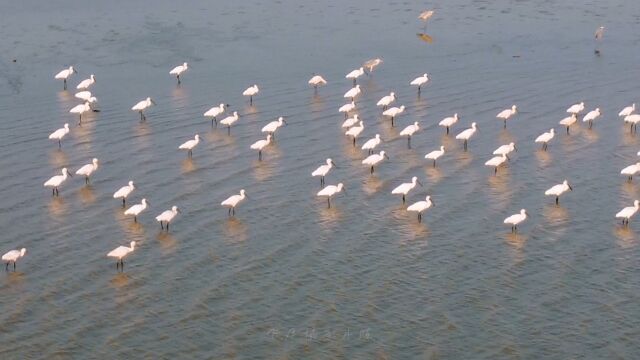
(625,235)
(415,232)
(235,230)
(629,139)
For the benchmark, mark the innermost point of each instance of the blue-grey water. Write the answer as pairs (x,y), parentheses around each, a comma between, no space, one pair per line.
(288,278)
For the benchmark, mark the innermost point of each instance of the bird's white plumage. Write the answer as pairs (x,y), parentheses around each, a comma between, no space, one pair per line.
(569,120)
(410,130)
(559,189)
(215,111)
(505,149)
(234,200)
(13,255)
(251,91)
(449,121)
(386,100)
(355,73)
(330,190)
(64,74)
(627,110)
(421,206)
(374,159)
(190,144)
(317,80)
(467,133)
(137,209)
(633,118)
(631,169)
(371,143)
(353,92)
(273,126)
(57,180)
(88,169)
(142,105)
(351,121)
(323,170)
(496,161)
(86,83)
(229,120)
(546,136)
(435,154)
(516,219)
(576,108)
(168,215)
(355,131)
(81,108)
(124,191)
(261,144)
(592,115)
(60,133)
(404,188)
(393,111)
(346,108)
(420,80)
(121,251)
(507,113)
(178,70)
(628,211)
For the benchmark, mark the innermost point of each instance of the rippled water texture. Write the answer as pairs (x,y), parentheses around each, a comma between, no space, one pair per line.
(287,277)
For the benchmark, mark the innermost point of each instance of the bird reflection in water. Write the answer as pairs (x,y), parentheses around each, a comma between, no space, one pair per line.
(167,242)
(425,37)
(58,158)
(625,235)
(329,217)
(372,184)
(119,280)
(87,194)
(188,165)
(58,206)
(544,157)
(235,230)
(263,170)
(630,189)
(555,214)
(434,174)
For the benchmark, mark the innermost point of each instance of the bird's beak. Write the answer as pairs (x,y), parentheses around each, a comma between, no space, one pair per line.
(153,102)
(70,174)
(285,122)
(334,164)
(507,156)
(419,183)
(180,211)
(570,188)
(387,156)
(228,105)
(433,203)
(515,148)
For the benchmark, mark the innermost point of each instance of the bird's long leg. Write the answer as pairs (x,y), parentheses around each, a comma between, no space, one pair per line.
(354,81)
(141,116)
(6,268)
(409,142)
(590,124)
(495,170)
(65,84)
(53,192)
(447,130)
(212,120)
(122,264)
(403,200)
(556,200)
(161,227)
(434,162)
(135,219)
(59,144)
(371,169)
(80,122)
(57,192)
(465,145)
(567,130)
(329,202)
(233,211)
(167,226)
(14,266)
(260,155)
(251,100)
(229,130)
(123,201)
(392,121)
(419,89)
(354,141)
(419,217)
(505,124)
(229,211)
(178,76)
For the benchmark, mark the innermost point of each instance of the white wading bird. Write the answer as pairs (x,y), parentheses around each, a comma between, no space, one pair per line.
(591,116)
(352,93)
(372,64)
(88,169)
(409,131)
(65,74)
(631,170)
(251,92)
(142,106)
(449,121)
(167,216)
(435,154)
(419,81)
(273,126)
(371,144)
(86,83)
(505,149)
(81,109)
(120,253)
(506,114)
(496,161)
(633,120)
(329,191)
(545,138)
(355,74)
(404,188)
(421,206)
(260,145)
(393,112)
(323,170)
(351,121)
(557,190)
(179,70)
(316,81)
(214,112)
(229,120)
(347,108)
(385,101)
(374,159)
(12,257)
(232,201)
(189,145)
(467,134)
(568,121)
(516,219)
(627,110)
(137,209)
(355,131)
(55,181)
(576,108)
(59,134)
(628,212)
(123,192)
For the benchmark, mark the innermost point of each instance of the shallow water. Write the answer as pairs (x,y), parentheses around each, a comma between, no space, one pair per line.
(287,277)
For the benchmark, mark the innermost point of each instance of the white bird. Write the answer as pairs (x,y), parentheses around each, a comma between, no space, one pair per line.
(167,216)
(86,96)
(628,212)
(329,191)
(505,149)
(232,201)
(229,120)
(374,159)
(251,92)
(64,75)
(214,112)
(347,108)
(591,116)
(421,206)
(435,154)
(12,257)
(409,131)
(120,252)
(545,138)
(260,145)
(371,144)
(557,190)
(55,181)
(516,219)
(351,121)
(88,169)
(323,170)
(316,81)
(449,121)
(633,120)
(568,121)
(178,70)
(137,209)
(404,188)
(506,114)
(352,93)
(372,64)
(631,170)
(86,83)
(59,134)
(426,15)
(496,161)
(385,101)
(81,109)
(273,126)
(467,134)
(393,112)
(355,74)
(576,108)
(599,33)
(419,81)
(124,192)
(355,131)
(142,106)
(627,110)
(189,145)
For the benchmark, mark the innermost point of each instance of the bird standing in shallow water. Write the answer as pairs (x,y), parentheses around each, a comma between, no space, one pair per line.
(374,159)
(251,92)
(628,212)
(558,190)
(404,188)
(167,216)
(329,191)
(120,252)
(137,209)
(421,206)
(65,74)
(12,257)
(87,170)
(123,192)
(516,219)
(323,170)
(55,181)
(179,70)
(232,201)
(142,106)
(59,134)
